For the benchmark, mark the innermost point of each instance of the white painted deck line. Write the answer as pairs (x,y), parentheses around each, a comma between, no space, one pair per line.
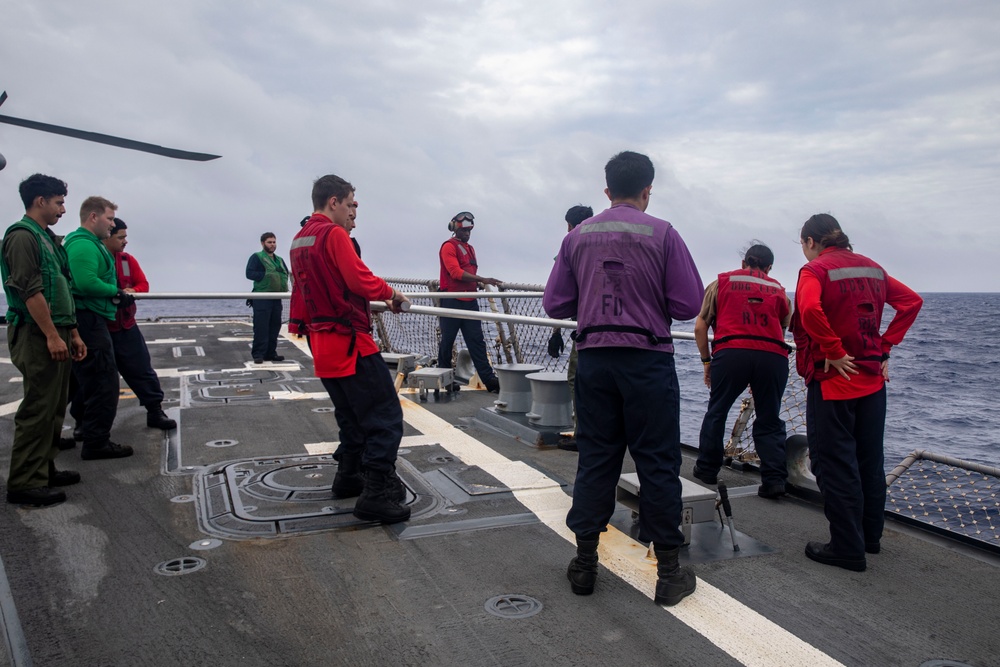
(9,408)
(316,448)
(738,630)
(176,372)
(271,366)
(297,341)
(172,341)
(298,395)
(410,441)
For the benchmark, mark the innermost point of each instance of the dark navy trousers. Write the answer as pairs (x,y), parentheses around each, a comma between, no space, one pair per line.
(266,327)
(95,398)
(472,332)
(628,398)
(732,371)
(135,366)
(368,413)
(845,450)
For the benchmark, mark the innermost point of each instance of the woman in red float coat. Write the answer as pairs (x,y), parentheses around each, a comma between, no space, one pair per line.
(749,313)
(844,360)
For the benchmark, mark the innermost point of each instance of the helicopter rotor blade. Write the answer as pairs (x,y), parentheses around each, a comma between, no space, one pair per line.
(106,139)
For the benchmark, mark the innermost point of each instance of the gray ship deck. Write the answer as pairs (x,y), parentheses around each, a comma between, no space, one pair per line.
(286,576)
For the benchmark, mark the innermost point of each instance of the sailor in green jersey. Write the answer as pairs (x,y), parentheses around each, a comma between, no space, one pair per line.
(43,340)
(95,289)
(269,273)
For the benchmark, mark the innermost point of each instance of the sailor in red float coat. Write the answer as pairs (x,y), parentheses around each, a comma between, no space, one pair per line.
(853,290)
(326,303)
(330,294)
(131,354)
(839,301)
(130,278)
(749,313)
(459,274)
(457,259)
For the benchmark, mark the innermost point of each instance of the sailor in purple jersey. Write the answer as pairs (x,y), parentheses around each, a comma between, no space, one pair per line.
(625,276)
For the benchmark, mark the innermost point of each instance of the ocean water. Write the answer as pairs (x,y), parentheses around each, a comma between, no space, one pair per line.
(944,388)
(943,394)
(944,382)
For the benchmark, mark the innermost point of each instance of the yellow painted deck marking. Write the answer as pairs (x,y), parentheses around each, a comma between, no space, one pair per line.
(738,630)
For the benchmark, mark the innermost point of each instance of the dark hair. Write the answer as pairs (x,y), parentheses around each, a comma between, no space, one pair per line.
(267,235)
(578,214)
(627,174)
(824,229)
(40,185)
(329,186)
(758,256)
(119,225)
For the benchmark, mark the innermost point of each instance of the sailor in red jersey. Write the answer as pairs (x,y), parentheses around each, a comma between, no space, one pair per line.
(749,312)
(331,291)
(459,268)
(131,353)
(844,360)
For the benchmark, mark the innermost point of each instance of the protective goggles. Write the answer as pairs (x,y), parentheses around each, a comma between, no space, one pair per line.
(464,216)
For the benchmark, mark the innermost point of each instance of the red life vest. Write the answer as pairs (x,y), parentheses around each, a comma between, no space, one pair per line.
(853,299)
(467,260)
(125,265)
(320,298)
(749,310)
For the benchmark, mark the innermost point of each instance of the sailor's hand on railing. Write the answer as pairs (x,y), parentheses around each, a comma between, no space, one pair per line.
(556,345)
(396,304)
(844,365)
(123,299)
(482,280)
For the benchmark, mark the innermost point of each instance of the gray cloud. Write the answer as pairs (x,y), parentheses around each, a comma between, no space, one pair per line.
(756,116)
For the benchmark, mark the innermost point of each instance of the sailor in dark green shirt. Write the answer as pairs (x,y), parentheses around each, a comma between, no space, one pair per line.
(95,289)
(42,338)
(269,273)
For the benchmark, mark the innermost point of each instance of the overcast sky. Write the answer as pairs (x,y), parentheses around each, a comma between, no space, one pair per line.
(756,115)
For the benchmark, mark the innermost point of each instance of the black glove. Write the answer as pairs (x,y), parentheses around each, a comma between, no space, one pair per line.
(555,345)
(123,299)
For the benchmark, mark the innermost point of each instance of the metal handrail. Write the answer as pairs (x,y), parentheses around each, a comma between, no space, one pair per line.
(380,306)
(287,295)
(920,454)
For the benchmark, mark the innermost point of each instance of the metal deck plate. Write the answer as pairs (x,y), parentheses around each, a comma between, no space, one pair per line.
(272,497)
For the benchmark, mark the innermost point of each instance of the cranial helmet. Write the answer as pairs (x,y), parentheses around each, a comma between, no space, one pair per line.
(463,220)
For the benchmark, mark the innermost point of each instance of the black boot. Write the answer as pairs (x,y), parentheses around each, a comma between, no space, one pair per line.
(62,477)
(348,482)
(582,572)
(157,418)
(377,502)
(675,582)
(397,492)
